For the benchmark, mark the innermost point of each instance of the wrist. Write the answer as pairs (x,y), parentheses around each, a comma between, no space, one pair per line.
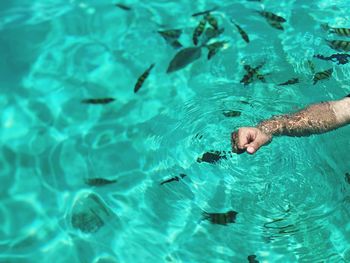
(271,127)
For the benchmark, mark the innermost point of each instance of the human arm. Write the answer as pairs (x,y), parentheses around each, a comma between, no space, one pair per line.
(315,119)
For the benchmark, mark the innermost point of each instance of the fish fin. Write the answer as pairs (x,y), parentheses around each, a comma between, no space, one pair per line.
(325,27)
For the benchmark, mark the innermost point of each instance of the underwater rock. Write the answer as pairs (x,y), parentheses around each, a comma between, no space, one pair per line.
(183,58)
(89,213)
(221,218)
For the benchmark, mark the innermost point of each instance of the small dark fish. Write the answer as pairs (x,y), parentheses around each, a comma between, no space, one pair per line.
(214,48)
(341,59)
(311,65)
(170,34)
(122,6)
(243,34)
(347,175)
(211,33)
(344,32)
(211,157)
(99,181)
(232,113)
(252,259)
(272,17)
(98,101)
(340,45)
(198,136)
(142,79)
(176,178)
(322,75)
(276,25)
(183,58)
(204,12)
(198,31)
(212,21)
(221,218)
(176,44)
(251,73)
(289,82)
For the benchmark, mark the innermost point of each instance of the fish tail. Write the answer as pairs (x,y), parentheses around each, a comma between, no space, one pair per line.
(325,27)
(152,66)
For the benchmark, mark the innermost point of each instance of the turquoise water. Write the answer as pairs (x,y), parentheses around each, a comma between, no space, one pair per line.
(292,199)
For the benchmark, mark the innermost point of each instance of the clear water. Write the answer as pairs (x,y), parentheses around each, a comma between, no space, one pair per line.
(56,53)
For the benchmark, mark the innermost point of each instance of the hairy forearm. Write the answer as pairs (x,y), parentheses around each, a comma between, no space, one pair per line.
(317,118)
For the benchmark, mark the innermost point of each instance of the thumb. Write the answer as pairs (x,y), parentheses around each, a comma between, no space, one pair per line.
(253,147)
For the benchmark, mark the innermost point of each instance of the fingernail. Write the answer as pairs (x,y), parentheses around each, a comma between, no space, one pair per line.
(250,149)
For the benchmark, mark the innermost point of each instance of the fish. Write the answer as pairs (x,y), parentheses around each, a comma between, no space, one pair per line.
(243,34)
(176,178)
(99,181)
(198,31)
(170,34)
(205,12)
(252,259)
(341,59)
(211,157)
(251,72)
(123,7)
(272,17)
(142,78)
(176,44)
(183,58)
(322,75)
(311,65)
(340,45)
(98,101)
(221,218)
(347,175)
(340,31)
(214,48)
(232,113)
(276,25)
(289,82)
(212,21)
(211,33)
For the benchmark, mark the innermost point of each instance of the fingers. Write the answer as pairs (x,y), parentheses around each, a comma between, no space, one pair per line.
(253,147)
(241,139)
(234,142)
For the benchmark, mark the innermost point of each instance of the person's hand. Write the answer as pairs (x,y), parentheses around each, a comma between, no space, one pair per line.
(249,139)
